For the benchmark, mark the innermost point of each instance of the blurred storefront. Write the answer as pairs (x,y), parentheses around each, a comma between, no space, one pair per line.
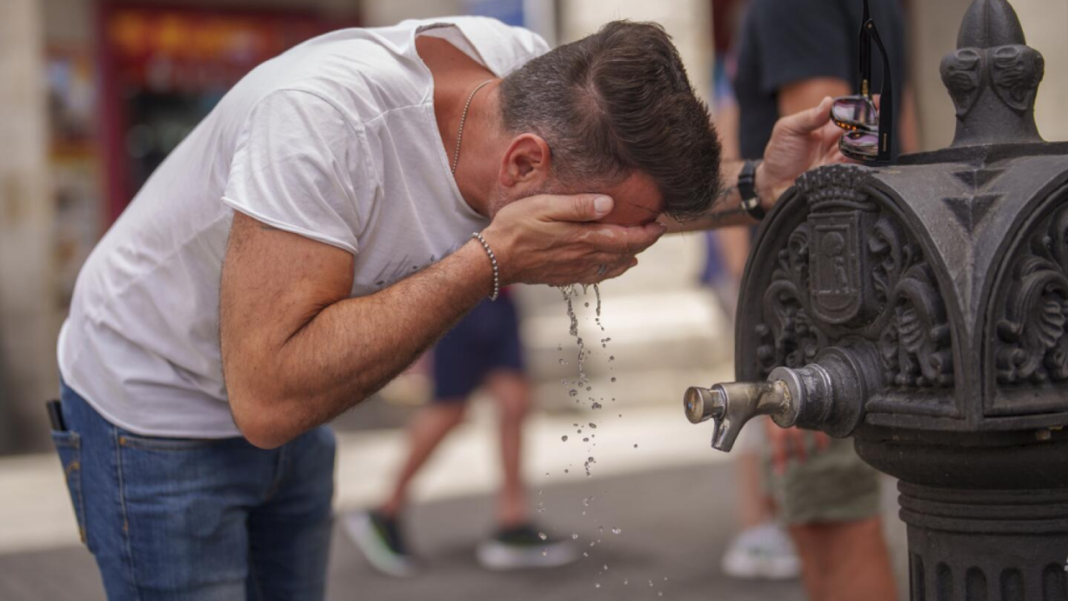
(103,92)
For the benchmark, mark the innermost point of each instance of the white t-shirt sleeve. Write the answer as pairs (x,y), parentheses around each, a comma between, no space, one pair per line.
(504,47)
(297,167)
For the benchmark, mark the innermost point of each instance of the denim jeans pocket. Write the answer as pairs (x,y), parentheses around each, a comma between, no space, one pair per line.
(69,447)
(152,443)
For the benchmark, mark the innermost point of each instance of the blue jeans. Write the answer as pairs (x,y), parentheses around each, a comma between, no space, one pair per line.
(186,519)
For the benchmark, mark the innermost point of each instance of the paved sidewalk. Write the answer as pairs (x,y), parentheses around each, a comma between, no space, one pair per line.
(675,524)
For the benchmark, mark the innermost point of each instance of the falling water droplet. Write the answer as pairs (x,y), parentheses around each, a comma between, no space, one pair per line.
(626,581)
(617,530)
(574,536)
(613,378)
(564,438)
(597,585)
(543,536)
(593,425)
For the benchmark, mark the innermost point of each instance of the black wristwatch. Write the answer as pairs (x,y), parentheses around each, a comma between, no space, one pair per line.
(747,188)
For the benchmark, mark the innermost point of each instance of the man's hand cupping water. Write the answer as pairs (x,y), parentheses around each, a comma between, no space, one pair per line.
(558,240)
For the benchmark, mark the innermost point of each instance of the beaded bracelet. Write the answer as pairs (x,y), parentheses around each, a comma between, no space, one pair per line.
(493,261)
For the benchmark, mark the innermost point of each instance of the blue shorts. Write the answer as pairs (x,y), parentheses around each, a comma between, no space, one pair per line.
(486,340)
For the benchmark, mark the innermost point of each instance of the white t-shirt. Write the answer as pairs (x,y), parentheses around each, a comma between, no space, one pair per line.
(335,140)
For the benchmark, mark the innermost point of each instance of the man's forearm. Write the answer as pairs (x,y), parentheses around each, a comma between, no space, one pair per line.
(727,209)
(799,143)
(352,348)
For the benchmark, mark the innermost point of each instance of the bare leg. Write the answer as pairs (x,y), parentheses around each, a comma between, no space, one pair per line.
(512,393)
(755,506)
(425,432)
(845,561)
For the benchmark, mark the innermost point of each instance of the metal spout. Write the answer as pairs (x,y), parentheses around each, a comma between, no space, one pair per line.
(732,405)
(828,395)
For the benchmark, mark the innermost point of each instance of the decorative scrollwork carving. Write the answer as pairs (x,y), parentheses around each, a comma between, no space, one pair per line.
(1017,70)
(793,338)
(915,345)
(872,281)
(1032,344)
(891,255)
(962,72)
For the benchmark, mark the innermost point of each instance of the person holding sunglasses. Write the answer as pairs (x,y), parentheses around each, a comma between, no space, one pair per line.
(791,54)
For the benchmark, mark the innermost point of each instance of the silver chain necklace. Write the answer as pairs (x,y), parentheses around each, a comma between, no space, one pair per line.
(463,118)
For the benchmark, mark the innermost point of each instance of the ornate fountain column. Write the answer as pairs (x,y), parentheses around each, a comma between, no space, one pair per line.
(922,308)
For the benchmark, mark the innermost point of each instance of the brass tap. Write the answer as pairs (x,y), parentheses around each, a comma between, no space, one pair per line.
(732,405)
(828,395)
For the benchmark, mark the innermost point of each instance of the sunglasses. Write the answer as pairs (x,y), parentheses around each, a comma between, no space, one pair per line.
(868,128)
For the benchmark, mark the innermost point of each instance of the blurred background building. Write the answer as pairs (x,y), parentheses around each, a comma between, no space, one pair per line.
(97,92)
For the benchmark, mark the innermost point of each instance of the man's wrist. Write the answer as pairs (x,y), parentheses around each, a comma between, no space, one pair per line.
(493,263)
(750,200)
(499,242)
(764,189)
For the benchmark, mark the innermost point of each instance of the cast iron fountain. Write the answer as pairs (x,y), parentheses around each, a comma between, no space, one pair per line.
(922,308)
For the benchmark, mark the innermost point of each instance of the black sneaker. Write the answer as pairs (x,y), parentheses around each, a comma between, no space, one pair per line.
(524,547)
(381,541)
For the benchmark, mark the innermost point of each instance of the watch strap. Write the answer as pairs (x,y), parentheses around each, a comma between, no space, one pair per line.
(747,190)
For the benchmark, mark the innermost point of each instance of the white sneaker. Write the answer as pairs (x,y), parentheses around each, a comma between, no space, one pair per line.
(762,553)
(524,547)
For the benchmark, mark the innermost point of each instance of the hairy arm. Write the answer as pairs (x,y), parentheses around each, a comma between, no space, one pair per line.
(726,209)
(799,142)
(297,351)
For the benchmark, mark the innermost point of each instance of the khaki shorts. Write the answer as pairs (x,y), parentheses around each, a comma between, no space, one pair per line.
(831,485)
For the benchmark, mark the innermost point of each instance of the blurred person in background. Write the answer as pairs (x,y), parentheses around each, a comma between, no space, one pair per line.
(342,207)
(792,53)
(483,351)
(762,549)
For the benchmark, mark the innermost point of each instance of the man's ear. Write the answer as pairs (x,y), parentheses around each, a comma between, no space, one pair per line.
(526,162)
